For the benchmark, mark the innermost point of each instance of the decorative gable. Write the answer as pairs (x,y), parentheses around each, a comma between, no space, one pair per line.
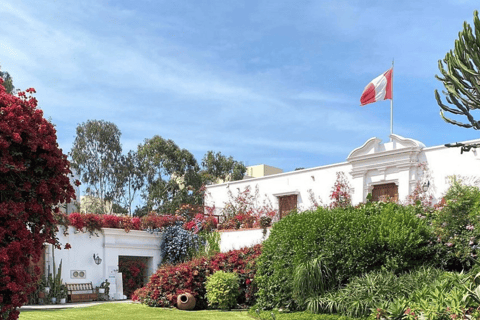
(376,163)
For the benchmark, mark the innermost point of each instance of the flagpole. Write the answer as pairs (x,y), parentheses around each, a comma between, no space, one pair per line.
(391,106)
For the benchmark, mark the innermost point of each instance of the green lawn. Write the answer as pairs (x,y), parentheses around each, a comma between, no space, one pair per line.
(127,311)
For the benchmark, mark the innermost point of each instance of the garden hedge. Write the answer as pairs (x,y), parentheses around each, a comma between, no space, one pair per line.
(350,241)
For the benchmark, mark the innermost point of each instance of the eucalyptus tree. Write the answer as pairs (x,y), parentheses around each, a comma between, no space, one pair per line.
(171,175)
(95,156)
(216,166)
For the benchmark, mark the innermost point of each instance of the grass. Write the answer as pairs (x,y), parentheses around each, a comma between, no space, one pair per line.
(127,311)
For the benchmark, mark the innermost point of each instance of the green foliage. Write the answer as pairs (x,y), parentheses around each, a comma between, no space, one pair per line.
(95,155)
(461,76)
(440,298)
(217,166)
(130,179)
(457,226)
(362,294)
(7,82)
(222,290)
(351,242)
(171,173)
(209,243)
(311,278)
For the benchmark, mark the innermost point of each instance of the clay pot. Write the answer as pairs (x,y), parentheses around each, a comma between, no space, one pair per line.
(186,301)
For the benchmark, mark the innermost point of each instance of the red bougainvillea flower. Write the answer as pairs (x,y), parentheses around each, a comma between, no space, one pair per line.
(34,177)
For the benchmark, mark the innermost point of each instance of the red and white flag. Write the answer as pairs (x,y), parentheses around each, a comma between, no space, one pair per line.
(379,89)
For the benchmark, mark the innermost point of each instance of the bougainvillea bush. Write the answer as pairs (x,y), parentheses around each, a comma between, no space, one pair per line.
(34,176)
(133,272)
(244,210)
(172,280)
(93,223)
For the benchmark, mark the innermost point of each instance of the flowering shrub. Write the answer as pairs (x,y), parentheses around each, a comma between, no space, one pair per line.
(457,226)
(341,195)
(154,221)
(171,280)
(201,222)
(418,196)
(33,179)
(244,211)
(133,272)
(178,244)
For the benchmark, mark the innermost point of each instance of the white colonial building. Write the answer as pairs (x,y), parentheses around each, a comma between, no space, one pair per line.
(383,169)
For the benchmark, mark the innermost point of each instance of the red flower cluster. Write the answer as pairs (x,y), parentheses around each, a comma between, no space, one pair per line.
(201,222)
(95,222)
(34,177)
(171,280)
(133,272)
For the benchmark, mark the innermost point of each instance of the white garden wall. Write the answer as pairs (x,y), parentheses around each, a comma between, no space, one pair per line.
(238,239)
(109,245)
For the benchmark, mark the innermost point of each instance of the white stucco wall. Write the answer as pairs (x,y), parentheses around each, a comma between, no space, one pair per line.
(374,163)
(320,180)
(444,162)
(109,245)
(237,239)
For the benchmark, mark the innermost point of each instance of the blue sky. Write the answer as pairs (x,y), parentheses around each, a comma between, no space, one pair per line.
(274,82)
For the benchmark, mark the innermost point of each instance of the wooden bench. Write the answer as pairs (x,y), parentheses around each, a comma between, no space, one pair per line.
(81,292)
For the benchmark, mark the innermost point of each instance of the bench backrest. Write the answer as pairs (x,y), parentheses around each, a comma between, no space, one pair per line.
(79,287)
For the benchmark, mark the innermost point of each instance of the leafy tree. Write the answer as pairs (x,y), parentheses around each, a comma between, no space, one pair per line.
(218,167)
(171,175)
(130,178)
(95,155)
(7,82)
(461,77)
(34,177)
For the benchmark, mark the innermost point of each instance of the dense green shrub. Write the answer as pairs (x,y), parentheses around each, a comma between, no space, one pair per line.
(350,241)
(457,226)
(222,290)
(171,280)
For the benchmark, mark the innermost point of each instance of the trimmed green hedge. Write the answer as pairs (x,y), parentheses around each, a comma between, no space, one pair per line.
(350,241)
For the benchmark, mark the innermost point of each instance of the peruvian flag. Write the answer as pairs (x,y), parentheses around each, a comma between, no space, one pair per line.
(379,89)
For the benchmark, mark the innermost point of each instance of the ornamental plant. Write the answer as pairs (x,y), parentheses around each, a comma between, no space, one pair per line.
(245,211)
(178,244)
(169,281)
(348,241)
(341,195)
(222,290)
(133,273)
(457,226)
(34,177)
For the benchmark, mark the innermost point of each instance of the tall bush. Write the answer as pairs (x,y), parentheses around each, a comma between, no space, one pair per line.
(350,241)
(457,226)
(33,178)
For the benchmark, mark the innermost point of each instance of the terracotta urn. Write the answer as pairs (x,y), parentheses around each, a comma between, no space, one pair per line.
(186,301)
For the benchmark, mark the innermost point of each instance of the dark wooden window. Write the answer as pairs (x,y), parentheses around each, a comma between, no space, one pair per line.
(287,204)
(383,192)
